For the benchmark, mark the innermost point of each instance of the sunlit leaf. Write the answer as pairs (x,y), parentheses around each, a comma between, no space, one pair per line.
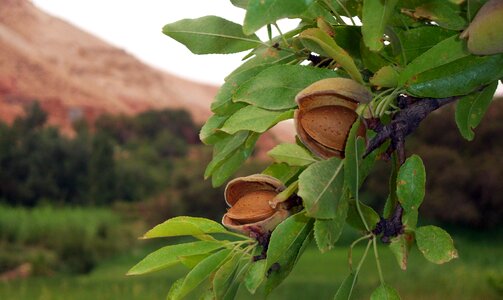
(211,34)
(385,292)
(400,247)
(254,119)
(168,256)
(327,232)
(376,15)
(179,226)
(292,154)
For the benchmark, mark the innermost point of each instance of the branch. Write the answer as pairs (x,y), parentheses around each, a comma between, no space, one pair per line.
(407,120)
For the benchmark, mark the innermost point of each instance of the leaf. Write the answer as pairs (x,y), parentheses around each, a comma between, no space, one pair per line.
(321,187)
(254,119)
(275,87)
(225,149)
(175,289)
(386,76)
(333,50)
(348,8)
(168,256)
(372,61)
(435,244)
(191,261)
(346,289)
(287,246)
(327,232)
(211,34)
(234,162)
(457,78)
(446,51)
(240,3)
(209,129)
(224,276)
(292,154)
(354,220)
(400,247)
(202,271)
(283,172)
(410,183)
(356,168)
(417,41)
(255,276)
(179,226)
(262,12)
(287,235)
(385,292)
(442,12)
(376,15)
(471,108)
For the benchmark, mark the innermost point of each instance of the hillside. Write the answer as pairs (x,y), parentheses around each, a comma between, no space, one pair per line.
(76,75)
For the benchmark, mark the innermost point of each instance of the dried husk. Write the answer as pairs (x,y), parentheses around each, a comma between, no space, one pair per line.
(327,110)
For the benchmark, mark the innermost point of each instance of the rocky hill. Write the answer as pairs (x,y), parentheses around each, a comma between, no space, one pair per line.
(76,75)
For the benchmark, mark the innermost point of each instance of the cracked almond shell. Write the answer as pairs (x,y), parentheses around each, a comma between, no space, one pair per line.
(327,110)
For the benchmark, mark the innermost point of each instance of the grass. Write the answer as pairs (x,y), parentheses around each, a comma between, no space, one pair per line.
(316,276)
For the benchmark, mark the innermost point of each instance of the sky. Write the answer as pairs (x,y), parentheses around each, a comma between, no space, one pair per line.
(136,27)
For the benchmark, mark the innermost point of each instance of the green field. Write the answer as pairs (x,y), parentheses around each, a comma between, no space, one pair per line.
(475,275)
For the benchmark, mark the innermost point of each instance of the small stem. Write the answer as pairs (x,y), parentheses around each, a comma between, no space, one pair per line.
(347,12)
(359,267)
(281,34)
(350,253)
(334,12)
(378,262)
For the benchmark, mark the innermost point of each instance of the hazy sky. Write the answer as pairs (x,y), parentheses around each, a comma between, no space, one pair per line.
(136,27)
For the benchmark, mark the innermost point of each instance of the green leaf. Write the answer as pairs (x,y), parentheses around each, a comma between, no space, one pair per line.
(386,76)
(373,61)
(376,15)
(400,247)
(262,12)
(283,172)
(254,119)
(457,78)
(255,276)
(202,271)
(225,149)
(175,289)
(348,8)
(354,220)
(225,275)
(285,248)
(417,41)
(209,130)
(346,289)
(442,12)
(327,232)
(292,154)
(435,244)
(385,292)
(287,235)
(471,108)
(240,3)
(179,226)
(321,187)
(330,47)
(410,183)
(444,52)
(234,162)
(191,261)
(211,34)
(356,168)
(168,256)
(275,87)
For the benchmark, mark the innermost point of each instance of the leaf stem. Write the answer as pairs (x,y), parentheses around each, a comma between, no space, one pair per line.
(281,34)
(359,267)
(378,261)
(350,253)
(357,198)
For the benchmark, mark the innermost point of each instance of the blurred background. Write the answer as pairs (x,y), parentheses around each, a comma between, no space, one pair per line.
(99,122)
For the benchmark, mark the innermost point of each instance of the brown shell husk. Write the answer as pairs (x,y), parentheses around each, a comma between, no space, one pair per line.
(262,220)
(259,227)
(241,186)
(327,110)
